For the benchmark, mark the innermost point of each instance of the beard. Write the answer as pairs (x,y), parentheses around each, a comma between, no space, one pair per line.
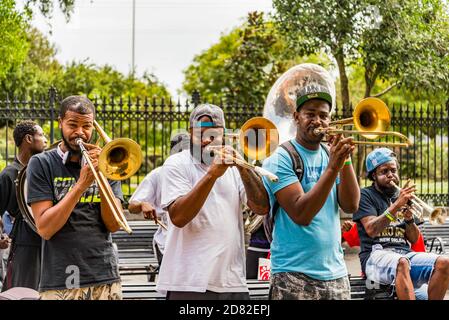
(69,147)
(200,154)
(390,192)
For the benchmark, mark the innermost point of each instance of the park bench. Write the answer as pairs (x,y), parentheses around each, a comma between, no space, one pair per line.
(135,251)
(258,290)
(436,237)
(361,289)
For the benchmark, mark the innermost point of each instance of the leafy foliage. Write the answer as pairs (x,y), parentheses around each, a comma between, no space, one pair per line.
(242,66)
(401,42)
(13,44)
(46,7)
(40,70)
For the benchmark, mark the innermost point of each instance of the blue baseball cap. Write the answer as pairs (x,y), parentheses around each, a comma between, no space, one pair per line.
(378,157)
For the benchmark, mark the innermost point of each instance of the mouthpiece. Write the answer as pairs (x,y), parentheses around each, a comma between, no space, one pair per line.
(318,131)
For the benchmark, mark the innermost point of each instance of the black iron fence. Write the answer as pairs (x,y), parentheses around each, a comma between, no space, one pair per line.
(152,121)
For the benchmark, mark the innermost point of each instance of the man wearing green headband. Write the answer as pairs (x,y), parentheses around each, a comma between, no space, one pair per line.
(306,255)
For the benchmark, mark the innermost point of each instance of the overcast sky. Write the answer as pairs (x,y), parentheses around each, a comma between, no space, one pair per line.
(168,32)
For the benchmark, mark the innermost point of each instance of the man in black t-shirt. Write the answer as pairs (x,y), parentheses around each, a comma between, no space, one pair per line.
(78,260)
(23,267)
(385,253)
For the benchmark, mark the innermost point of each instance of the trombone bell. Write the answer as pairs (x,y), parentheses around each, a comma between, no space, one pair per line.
(371,114)
(258,138)
(438,216)
(371,119)
(120,159)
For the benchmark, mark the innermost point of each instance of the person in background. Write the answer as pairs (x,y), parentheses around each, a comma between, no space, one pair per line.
(147,197)
(24,260)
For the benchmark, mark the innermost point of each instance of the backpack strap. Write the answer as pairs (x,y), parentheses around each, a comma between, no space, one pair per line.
(298,163)
(298,168)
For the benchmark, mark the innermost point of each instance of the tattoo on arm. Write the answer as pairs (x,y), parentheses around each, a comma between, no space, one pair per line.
(378,224)
(255,191)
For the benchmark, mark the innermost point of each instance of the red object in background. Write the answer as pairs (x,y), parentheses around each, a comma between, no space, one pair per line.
(353,240)
(352,236)
(419,245)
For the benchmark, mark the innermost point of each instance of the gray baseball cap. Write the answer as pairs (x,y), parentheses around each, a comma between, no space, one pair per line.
(212,111)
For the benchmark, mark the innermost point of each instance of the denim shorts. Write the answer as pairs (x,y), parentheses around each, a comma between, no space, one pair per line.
(382,264)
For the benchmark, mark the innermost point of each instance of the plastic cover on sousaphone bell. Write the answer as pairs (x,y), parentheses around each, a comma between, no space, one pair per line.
(306,78)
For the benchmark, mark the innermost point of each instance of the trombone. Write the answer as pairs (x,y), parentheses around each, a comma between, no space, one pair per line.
(436,215)
(258,138)
(371,119)
(119,159)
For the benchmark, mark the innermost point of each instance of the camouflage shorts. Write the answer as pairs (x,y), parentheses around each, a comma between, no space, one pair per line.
(112,291)
(298,286)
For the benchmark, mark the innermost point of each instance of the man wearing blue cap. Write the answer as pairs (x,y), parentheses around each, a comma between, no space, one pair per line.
(385,253)
(205,251)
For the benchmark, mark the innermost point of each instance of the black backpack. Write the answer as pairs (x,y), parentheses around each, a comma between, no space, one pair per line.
(298,168)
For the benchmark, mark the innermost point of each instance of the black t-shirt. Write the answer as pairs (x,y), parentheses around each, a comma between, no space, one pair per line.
(83,245)
(21,233)
(374,203)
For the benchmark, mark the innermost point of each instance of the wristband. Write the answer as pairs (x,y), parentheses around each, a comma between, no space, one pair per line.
(348,162)
(389,215)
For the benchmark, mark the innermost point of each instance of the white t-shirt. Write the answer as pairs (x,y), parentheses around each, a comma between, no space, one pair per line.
(149,190)
(207,253)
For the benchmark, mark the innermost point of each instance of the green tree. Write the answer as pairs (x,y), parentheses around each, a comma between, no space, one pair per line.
(206,73)
(39,70)
(13,41)
(412,54)
(401,42)
(87,78)
(255,65)
(242,66)
(46,7)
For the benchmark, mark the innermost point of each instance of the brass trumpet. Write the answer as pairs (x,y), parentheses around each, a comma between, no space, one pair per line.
(436,215)
(371,119)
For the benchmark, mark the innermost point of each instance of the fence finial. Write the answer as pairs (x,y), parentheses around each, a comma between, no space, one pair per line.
(196,98)
(52,95)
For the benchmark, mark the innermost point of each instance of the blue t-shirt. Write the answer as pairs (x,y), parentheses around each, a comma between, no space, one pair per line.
(314,250)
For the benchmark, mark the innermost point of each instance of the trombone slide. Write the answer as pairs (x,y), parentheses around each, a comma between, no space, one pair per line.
(244,164)
(103,185)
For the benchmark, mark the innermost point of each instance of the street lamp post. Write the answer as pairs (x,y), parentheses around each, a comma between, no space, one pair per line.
(133,39)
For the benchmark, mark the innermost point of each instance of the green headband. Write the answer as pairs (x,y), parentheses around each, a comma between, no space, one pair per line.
(315,95)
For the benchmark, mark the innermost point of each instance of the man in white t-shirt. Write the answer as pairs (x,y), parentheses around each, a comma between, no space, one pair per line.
(147,197)
(205,250)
